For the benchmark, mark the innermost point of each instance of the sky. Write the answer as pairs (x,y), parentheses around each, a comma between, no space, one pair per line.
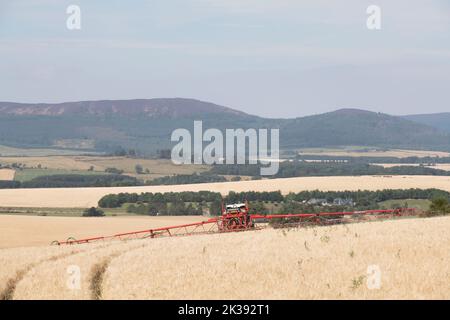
(272,58)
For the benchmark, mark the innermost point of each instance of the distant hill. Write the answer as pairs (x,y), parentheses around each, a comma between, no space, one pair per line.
(146,125)
(437,120)
(153,108)
(360,127)
(108,125)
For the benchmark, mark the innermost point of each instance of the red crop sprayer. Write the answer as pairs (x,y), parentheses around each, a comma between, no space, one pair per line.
(236,217)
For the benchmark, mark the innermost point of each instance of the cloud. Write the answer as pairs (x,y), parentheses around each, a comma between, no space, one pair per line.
(261,50)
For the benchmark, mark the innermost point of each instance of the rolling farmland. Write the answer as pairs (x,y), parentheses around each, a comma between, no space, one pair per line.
(87,197)
(410,258)
(235,151)
(98,164)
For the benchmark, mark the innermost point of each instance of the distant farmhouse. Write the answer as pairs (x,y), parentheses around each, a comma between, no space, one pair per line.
(335,202)
(343,202)
(317,202)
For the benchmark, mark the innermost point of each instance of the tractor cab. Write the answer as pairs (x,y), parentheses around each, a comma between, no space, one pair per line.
(235,217)
(237,208)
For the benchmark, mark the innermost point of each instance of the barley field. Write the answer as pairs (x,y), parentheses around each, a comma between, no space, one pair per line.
(371,152)
(87,197)
(396,259)
(23,231)
(7,174)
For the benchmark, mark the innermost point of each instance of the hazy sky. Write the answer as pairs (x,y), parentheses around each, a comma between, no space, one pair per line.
(278,58)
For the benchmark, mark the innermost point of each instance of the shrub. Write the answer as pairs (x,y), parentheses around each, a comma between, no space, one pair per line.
(440,206)
(113,170)
(138,168)
(93,212)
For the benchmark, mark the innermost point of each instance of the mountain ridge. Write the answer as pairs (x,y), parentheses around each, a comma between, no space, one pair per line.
(147,124)
(150,107)
(192,106)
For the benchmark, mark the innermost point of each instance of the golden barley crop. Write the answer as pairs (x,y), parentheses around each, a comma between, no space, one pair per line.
(336,262)
(55,278)
(20,231)
(15,263)
(399,259)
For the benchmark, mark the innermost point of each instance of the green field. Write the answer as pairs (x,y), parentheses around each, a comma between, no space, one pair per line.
(422,204)
(29,174)
(6,151)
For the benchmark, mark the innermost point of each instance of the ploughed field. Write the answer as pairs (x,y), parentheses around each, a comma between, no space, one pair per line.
(398,259)
(88,197)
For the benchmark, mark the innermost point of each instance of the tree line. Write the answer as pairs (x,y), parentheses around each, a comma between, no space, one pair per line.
(204,177)
(117,200)
(196,203)
(169,209)
(310,169)
(73,181)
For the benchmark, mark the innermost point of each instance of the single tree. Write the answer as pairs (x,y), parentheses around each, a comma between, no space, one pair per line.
(93,212)
(139,169)
(440,205)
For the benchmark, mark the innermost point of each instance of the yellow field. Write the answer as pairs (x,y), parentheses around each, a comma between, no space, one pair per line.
(19,231)
(401,259)
(157,168)
(440,166)
(367,152)
(87,197)
(50,162)
(7,174)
